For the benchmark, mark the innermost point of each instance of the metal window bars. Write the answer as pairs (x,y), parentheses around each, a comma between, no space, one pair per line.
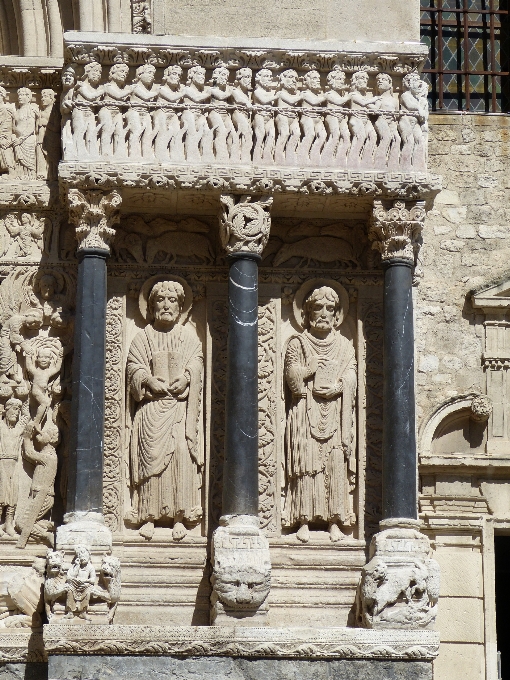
(468,64)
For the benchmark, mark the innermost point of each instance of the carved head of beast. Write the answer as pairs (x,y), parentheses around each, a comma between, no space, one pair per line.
(110,576)
(242,582)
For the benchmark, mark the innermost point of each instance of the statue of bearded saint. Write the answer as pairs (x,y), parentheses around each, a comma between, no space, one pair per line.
(320,370)
(164,373)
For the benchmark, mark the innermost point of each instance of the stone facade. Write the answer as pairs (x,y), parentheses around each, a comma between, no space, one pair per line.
(239,207)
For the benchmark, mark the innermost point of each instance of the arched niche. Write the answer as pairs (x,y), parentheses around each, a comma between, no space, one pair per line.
(454,427)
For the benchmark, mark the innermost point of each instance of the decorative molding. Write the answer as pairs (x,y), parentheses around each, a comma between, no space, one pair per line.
(245,223)
(248,180)
(396,229)
(34,77)
(340,643)
(141,16)
(22,647)
(112,475)
(94,214)
(160,55)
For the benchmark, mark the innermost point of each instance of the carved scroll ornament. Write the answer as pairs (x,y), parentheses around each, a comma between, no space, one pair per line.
(396,228)
(94,214)
(245,223)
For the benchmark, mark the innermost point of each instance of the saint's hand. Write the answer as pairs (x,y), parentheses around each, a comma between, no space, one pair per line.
(178,386)
(329,392)
(157,386)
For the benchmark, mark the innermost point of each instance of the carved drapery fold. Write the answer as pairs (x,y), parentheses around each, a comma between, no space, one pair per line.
(94,215)
(395,229)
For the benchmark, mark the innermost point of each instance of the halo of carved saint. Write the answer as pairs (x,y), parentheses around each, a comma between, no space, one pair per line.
(36,339)
(164,377)
(320,372)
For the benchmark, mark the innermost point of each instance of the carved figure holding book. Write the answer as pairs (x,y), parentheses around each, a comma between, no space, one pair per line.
(320,370)
(164,373)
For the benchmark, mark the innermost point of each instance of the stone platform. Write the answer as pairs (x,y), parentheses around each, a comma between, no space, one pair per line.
(115,652)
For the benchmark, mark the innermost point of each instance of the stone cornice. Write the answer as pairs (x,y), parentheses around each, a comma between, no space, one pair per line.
(136,49)
(160,177)
(340,643)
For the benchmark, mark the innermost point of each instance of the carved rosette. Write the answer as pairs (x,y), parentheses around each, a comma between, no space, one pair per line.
(94,214)
(399,586)
(396,228)
(241,577)
(245,223)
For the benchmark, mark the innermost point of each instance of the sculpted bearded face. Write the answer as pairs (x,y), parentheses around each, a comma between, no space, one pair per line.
(12,411)
(165,302)
(321,309)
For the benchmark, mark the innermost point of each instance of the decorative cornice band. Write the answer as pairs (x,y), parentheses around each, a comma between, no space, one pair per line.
(341,643)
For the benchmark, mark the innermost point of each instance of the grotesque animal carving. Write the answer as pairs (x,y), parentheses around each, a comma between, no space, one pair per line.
(109,584)
(127,243)
(175,244)
(317,249)
(55,583)
(20,595)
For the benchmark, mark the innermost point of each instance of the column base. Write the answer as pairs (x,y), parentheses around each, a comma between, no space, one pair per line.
(399,586)
(241,577)
(86,528)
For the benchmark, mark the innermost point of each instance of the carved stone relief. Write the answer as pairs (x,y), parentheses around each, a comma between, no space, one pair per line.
(29,135)
(210,116)
(164,377)
(320,372)
(36,341)
(24,236)
(21,603)
(76,592)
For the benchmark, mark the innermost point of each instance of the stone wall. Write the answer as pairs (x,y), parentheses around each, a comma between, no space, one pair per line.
(466,247)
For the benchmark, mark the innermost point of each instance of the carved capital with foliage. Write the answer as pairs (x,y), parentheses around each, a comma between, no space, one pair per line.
(245,223)
(395,229)
(94,214)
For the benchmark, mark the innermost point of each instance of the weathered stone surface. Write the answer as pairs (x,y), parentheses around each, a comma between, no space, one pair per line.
(24,671)
(139,668)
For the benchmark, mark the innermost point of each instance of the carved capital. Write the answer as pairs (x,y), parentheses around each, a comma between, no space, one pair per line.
(94,214)
(241,577)
(396,227)
(400,584)
(245,223)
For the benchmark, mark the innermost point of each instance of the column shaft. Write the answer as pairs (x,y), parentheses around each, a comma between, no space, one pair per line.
(85,488)
(240,479)
(399,439)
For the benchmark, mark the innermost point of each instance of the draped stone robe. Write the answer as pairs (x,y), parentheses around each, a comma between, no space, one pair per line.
(166,448)
(321,457)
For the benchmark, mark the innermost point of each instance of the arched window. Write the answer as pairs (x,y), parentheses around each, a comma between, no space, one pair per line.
(468,65)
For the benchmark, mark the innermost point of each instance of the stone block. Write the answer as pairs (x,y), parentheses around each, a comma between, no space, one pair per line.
(461,573)
(460,662)
(24,671)
(223,668)
(460,619)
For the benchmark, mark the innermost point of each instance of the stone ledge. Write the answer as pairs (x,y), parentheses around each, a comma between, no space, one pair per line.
(21,646)
(322,643)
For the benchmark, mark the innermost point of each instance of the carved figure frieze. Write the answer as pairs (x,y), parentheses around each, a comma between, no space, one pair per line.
(29,135)
(74,591)
(36,336)
(24,236)
(201,114)
(320,373)
(164,377)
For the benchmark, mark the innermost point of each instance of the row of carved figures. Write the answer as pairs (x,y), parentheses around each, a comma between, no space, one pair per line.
(29,135)
(284,120)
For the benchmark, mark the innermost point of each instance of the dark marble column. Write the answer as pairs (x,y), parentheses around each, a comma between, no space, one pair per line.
(241,481)
(399,552)
(94,214)
(239,548)
(85,467)
(399,440)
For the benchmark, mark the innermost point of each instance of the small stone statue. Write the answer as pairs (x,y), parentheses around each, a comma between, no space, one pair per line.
(80,582)
(320,370)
